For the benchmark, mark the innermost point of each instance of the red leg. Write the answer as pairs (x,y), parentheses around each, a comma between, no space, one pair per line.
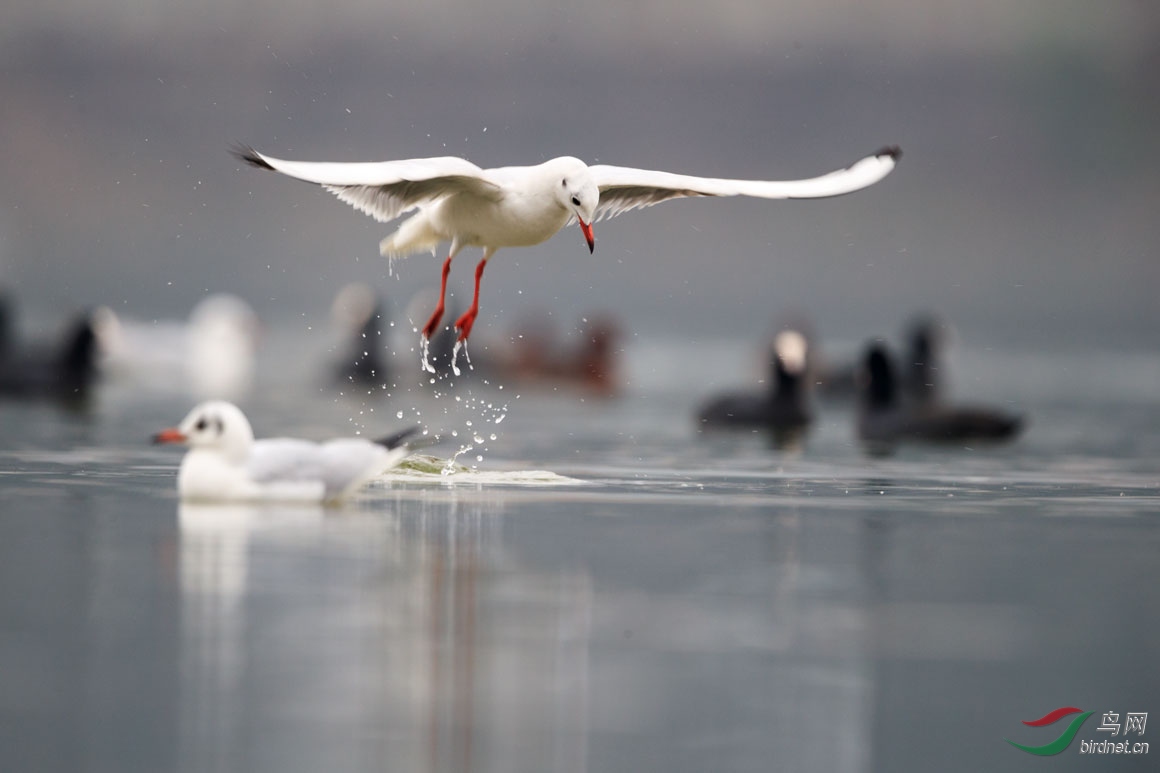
(429,328)
(464,323)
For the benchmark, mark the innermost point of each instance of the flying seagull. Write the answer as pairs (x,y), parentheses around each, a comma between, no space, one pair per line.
(518,206)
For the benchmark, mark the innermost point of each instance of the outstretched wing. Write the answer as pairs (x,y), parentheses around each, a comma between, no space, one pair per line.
(384,189)
(623,189)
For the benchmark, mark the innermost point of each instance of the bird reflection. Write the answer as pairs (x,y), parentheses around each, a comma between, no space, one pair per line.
(414,624)
(214,575)
(504,650)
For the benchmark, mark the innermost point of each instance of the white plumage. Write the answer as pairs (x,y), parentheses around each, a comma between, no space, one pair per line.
(226,464)
(518,206)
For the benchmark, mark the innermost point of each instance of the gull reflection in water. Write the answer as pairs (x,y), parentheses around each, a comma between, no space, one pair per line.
(314,639)
(214,575)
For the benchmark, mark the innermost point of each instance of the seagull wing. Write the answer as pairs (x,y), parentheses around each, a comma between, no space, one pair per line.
(274,460)
(384,189)
(348,463)
(333,469)
(623,189)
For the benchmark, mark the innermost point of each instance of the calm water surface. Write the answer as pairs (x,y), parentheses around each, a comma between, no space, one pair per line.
(663,601)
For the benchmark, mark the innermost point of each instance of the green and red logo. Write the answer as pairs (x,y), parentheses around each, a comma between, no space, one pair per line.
(1065,738)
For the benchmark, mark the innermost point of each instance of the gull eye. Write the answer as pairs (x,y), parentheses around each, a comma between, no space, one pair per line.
(201,424)
(576,201)
(564,182)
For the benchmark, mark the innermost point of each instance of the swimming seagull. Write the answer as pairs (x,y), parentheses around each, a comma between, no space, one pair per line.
(210,355)
(225,464)
(518,206)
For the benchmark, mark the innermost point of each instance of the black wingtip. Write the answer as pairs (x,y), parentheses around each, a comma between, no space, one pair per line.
(391,442)
(893,151)
(250,156)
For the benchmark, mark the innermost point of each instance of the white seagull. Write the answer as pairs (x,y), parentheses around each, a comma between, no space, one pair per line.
(518,206)
(225,464)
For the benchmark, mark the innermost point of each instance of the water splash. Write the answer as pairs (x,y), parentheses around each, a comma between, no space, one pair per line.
(422,469)
(455,356)
(425,354)
(468,422)
(450,467)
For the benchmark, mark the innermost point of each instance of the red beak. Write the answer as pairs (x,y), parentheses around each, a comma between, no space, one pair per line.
(587,229)
(171,435)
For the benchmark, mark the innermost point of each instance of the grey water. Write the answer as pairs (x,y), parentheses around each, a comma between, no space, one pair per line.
(663,600)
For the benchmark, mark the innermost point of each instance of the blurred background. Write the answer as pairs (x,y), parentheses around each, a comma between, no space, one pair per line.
(1023,210)
(682,600)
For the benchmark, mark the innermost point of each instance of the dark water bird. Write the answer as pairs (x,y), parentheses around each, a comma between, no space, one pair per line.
(519,206)
(360,315)
(920,371)
(536,357)
(885,419)
(782,409)
(922,377)
(64,370)
(7,326)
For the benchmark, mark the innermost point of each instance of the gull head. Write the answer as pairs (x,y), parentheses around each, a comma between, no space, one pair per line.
(576,192)
(215,425)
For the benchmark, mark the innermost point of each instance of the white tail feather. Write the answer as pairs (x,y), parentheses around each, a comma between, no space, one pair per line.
(414,235)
